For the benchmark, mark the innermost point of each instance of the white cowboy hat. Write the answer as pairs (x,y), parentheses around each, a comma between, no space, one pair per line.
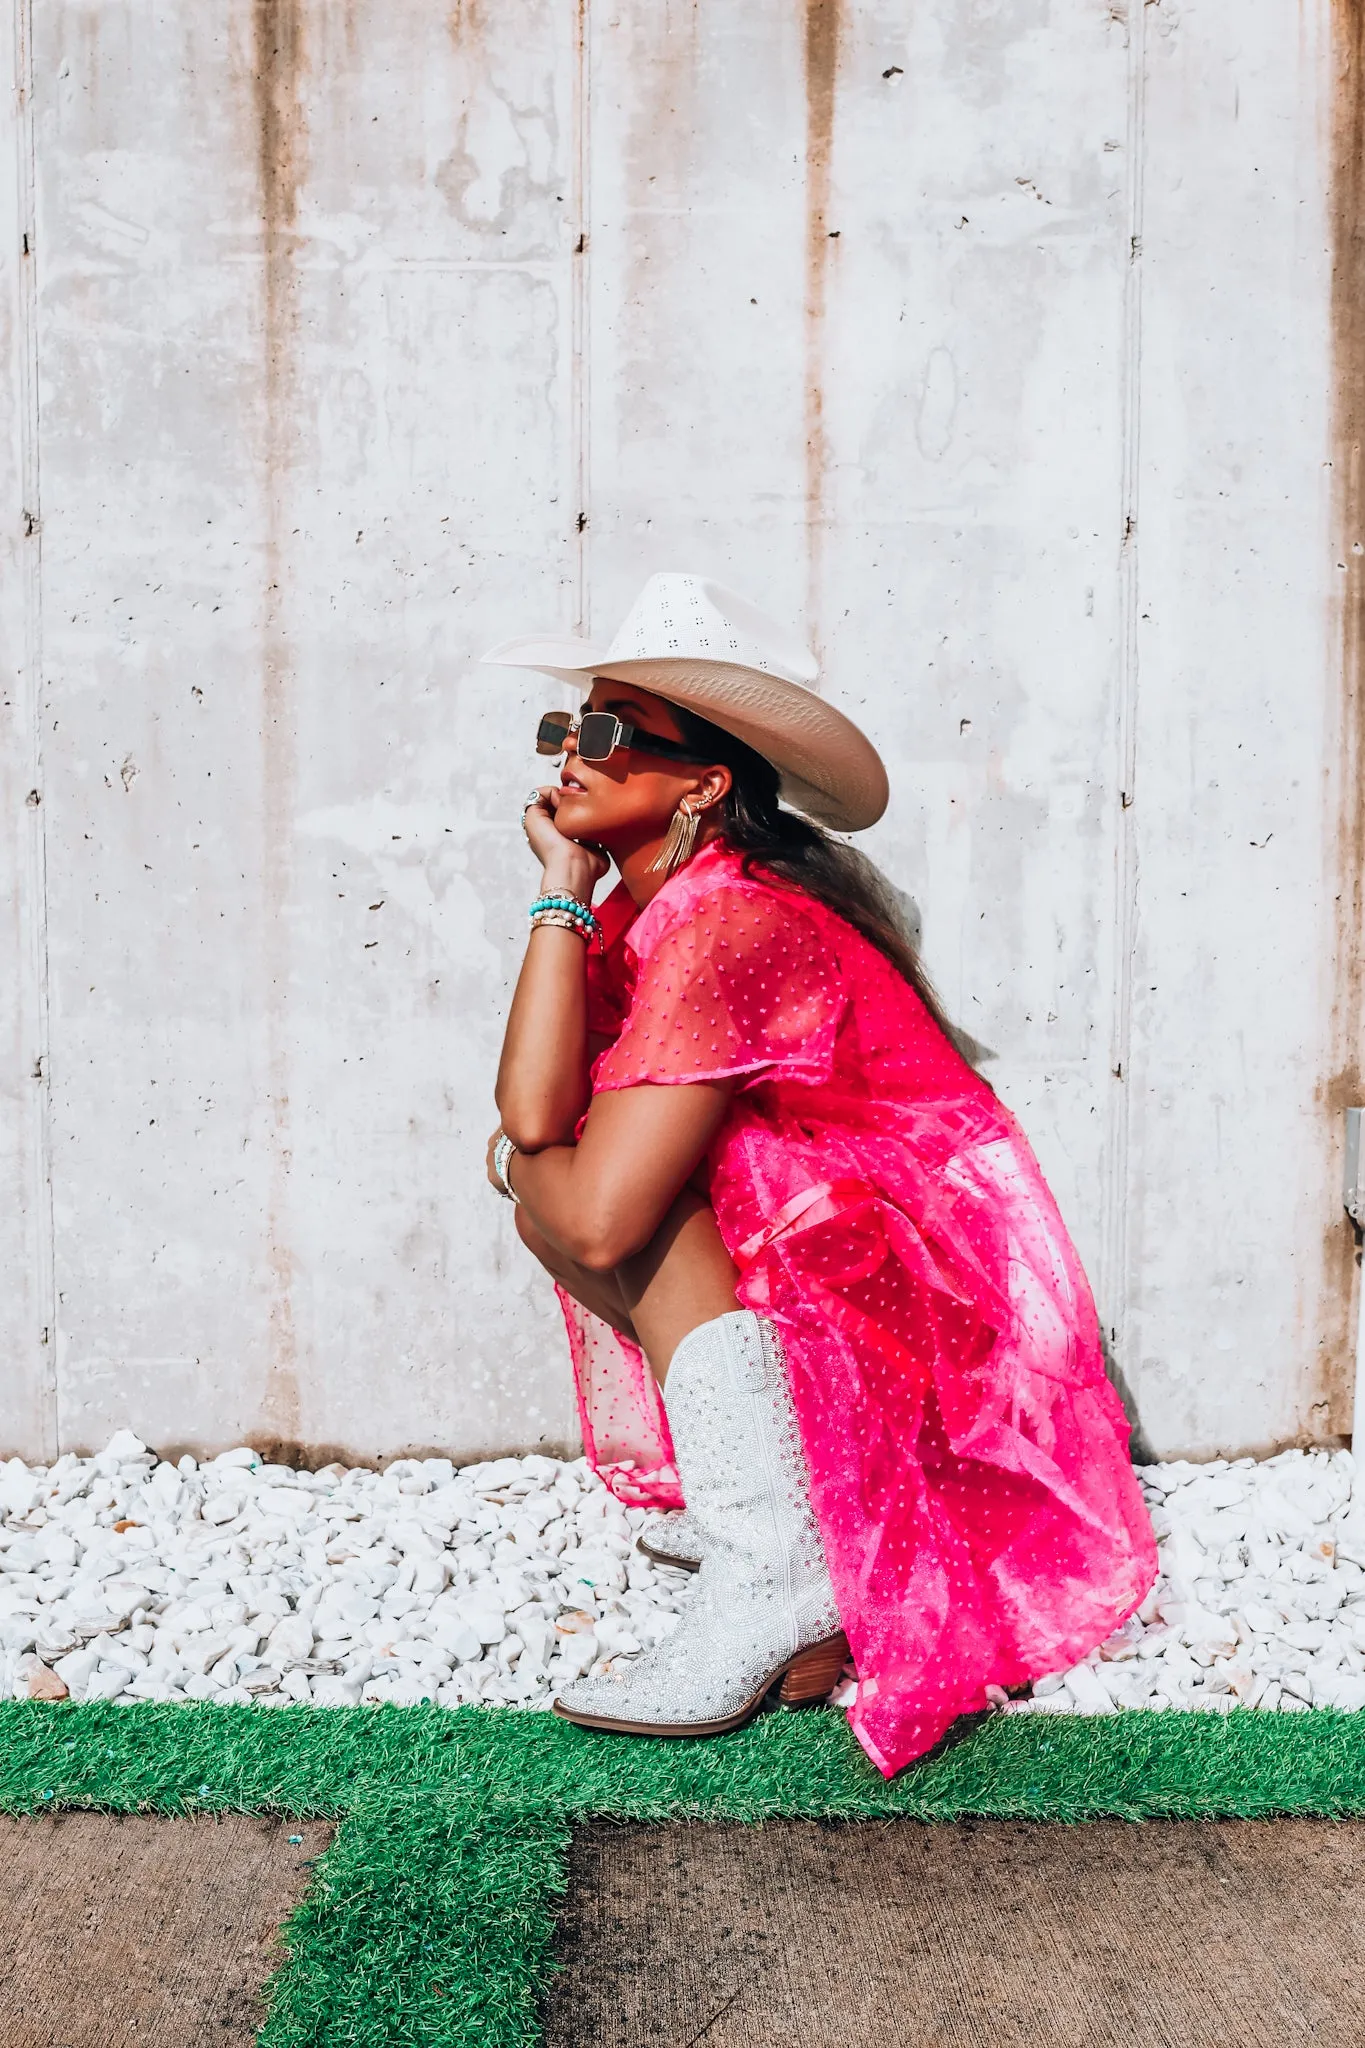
(699,645)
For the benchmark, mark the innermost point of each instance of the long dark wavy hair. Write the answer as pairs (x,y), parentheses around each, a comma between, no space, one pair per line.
(792,850)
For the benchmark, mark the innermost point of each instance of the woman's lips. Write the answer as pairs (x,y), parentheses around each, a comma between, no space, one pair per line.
(567,781)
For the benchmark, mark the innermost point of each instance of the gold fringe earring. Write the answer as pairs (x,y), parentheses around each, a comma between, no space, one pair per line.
(679,842)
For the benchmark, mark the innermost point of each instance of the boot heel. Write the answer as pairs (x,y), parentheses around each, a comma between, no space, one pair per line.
(813,1675)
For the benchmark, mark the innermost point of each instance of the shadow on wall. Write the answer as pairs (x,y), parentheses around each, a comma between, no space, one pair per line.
(1139,1449)
(976,1054)
(906,914)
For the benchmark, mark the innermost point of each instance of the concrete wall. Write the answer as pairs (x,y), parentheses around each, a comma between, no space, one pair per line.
(995,342)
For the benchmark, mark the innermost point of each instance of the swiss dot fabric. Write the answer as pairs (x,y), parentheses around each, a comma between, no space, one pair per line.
(968,1456)
(744,987)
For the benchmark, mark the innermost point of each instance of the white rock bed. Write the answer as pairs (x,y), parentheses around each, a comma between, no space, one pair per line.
(126,1578)
(1260,1602)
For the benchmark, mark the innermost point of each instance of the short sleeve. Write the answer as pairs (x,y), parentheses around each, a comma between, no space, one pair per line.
(743,985)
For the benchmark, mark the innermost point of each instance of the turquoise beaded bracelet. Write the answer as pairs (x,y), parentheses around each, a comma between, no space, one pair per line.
(570,907)
(554,902)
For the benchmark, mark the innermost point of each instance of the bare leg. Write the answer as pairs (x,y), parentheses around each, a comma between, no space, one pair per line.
(683,1277)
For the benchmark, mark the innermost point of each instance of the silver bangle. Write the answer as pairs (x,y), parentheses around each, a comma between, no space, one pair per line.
(502,1159)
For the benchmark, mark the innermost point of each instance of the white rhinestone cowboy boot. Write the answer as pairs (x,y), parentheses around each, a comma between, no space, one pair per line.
(671,1539)
(761,1612)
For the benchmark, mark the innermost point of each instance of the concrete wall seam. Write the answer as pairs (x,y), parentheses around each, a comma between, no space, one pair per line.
(1114,1275)
(34,966)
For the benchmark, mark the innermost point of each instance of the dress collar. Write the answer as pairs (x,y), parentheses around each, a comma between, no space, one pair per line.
(700,874)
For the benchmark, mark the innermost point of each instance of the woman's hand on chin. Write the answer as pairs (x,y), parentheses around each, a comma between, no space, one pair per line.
(568,867)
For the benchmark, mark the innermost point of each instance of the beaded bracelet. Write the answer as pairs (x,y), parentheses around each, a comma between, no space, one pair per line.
(574,912)
(569,906)
(554,901)
(562,922)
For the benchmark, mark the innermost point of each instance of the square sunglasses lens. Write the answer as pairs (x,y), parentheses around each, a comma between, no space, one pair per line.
(597,732)
(552,732)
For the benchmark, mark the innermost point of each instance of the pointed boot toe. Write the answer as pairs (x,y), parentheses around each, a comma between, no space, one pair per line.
(673,1540)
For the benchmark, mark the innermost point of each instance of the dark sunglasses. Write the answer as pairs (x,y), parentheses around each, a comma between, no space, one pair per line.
(598,734)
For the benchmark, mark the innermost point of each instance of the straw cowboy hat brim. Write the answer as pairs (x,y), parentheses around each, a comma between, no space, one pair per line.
(695,644)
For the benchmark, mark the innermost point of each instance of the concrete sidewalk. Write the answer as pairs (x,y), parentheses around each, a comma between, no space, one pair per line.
(135,1929)
(1227,1934)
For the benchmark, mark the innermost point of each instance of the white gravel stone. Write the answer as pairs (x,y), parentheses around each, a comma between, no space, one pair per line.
(1261,1599)
(239,1581)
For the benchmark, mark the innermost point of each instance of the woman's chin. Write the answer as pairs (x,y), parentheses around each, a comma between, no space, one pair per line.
(576,816)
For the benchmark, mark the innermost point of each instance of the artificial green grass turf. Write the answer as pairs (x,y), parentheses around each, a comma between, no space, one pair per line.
(424,1925)
(431,1918)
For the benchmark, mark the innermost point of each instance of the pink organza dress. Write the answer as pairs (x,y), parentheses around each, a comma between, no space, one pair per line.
(968,1457)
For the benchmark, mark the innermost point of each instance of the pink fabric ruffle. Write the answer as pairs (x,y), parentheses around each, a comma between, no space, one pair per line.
(620,1410)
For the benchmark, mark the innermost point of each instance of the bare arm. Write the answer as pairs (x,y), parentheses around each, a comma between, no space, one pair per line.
(603,1199)
(542,1086)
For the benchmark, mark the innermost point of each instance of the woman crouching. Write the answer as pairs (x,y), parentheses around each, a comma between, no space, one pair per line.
(743,1142)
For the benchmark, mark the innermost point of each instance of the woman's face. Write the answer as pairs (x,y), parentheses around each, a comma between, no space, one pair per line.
(630,799)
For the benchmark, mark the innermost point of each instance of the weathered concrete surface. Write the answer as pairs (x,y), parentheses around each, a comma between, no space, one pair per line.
(1343,1083)
(305,283)
(27,1348)
(1000,346)
(1170,1934)
(118,1928)
(1236,942)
